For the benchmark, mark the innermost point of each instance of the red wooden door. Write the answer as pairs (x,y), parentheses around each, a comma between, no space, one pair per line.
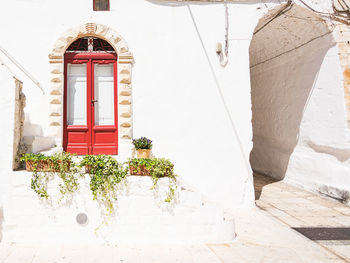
(90,99)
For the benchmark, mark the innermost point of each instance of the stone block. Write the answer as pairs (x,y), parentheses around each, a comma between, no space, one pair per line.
(125,111)
(56,68)
(125,89)
(56,108)
(55,100)
(124,100)
(55,92)
(57,86)
(90,28)
(343,46)
(113,36)
(346,74)
(56,78)
(56,119)
(125,122)
(101,30)
(125,132)
(121,47)
(125,79)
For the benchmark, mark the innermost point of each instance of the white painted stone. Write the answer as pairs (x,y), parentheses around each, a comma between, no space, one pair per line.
(141,216)
(7,109)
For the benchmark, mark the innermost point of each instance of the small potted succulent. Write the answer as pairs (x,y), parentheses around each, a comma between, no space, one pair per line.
(143,147)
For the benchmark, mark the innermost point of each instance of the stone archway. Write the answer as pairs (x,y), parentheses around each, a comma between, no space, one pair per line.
(298,109)
(125,62)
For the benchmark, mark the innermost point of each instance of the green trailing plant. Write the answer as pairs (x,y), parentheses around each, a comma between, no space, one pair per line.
(142,143)
(156,168)
(164,168)
(106,175)
(68,173)
(39,180)
(39,183)
(141,166)
(33,157)
(44,169)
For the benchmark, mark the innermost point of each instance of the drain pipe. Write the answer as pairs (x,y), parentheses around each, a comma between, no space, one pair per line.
(223,56)
(14,61)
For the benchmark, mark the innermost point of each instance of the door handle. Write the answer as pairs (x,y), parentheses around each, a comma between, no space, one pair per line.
(93,102)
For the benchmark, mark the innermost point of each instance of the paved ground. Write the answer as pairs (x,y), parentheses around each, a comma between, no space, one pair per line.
(264,235)
(297,208)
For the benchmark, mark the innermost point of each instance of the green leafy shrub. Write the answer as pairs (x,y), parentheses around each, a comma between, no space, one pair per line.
(106,173)
(45,167)
(33,157)
(156,168)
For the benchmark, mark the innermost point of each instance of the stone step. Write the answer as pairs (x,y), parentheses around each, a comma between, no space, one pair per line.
(141,215)
(37,144)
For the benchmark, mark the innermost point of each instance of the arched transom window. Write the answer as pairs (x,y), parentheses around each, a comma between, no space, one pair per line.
(90,44)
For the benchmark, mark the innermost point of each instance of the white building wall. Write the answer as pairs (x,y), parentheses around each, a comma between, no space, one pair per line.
(176,80)
(7,116)
(197,113)
(7,111)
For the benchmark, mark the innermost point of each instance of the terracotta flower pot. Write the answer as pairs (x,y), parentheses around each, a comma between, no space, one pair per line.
(141,170)
(43,166)
(143,153)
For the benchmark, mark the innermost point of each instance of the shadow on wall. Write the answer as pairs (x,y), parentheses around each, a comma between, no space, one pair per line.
(286,54)
(259,183)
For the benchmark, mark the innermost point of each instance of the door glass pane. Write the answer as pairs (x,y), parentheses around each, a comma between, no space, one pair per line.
(104,94)
(76,94)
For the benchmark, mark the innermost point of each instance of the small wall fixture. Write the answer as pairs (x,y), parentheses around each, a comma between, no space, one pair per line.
(82,219)
(222,55)
(218,48)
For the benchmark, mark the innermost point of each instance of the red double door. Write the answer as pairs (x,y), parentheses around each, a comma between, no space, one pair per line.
(90,99)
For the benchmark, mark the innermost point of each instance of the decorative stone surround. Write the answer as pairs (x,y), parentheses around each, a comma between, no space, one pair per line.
(125,62)
(342,36)
(18,145)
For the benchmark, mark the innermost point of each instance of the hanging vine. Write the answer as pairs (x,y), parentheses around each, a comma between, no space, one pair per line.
(157,168)
(44,169)
(106,177)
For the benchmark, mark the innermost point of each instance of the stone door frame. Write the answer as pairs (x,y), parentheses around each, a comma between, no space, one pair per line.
(125,63)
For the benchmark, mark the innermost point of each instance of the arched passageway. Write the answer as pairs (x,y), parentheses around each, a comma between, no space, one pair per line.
(293,64)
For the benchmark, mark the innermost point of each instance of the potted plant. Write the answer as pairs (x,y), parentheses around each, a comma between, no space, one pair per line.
(42,163)
(143,147)
(156,168)
(140,166)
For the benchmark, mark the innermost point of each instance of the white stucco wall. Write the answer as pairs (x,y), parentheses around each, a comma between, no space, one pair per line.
(141,215)
(197,113)
(176,87)
(7,110)
(299,114)
(7,116)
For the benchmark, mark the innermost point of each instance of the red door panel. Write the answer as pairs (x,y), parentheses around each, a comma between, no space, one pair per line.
(90,99)
(78,138)
(104,109)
